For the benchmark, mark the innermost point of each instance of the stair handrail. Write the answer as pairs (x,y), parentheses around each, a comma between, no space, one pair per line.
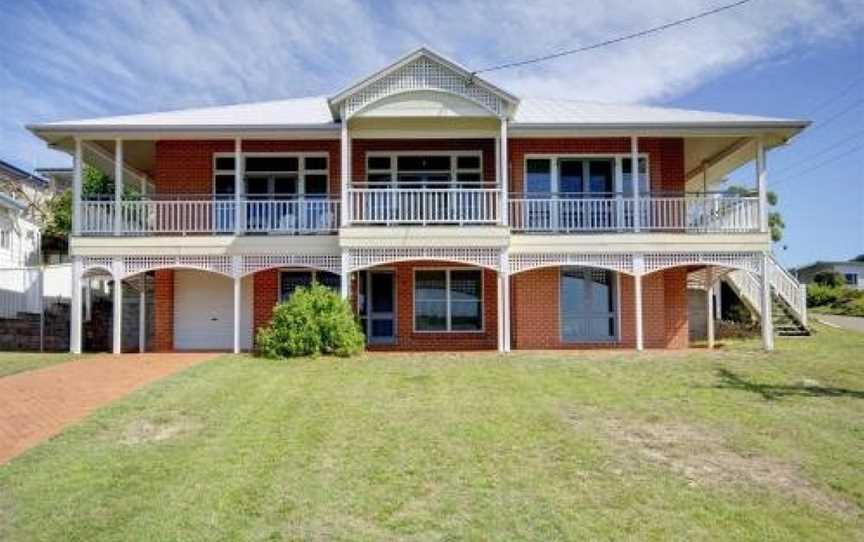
(792,292)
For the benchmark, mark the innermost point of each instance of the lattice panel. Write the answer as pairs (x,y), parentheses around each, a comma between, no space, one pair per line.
(615,262)
(215,264)
(748,261)
(252,264)
(89,262)
(361,258)
(424,74)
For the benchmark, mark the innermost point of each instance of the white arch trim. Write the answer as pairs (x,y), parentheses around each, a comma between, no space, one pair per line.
(745,261)
(254,264)
(362,258)
(491,113)
(621,263)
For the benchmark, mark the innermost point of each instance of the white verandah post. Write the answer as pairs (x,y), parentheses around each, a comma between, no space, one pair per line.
(762,185)
(77,175)
(236,269)
(766,306)
(634,181)
(117,324)
(75,309)
(345,172)
(709,301)
(118,186)
(504,301)
(142,315)
(239,214)
(345,275)
(638,269)
(503,176)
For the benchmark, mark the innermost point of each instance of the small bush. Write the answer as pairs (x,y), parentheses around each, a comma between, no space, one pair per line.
(836,300)
(829,278)
(314,320)
(819,295)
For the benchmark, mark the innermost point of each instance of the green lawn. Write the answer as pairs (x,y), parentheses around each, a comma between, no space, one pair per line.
(735,445)
(16,362)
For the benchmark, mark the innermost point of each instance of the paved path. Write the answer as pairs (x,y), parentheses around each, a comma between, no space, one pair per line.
(855,323)
(36,405)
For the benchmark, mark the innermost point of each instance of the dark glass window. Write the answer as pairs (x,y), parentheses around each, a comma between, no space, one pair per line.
(539,178)
(423,163)
(291,280)
(379,162)
(588,305)
(468,162)
(224,163)
(271,163)
(448,300)
(316,184)
(316,162)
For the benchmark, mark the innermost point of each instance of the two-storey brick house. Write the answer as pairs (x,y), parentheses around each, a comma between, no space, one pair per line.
(454,214)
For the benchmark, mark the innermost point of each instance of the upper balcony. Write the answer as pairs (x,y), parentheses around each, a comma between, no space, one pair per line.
(371,205)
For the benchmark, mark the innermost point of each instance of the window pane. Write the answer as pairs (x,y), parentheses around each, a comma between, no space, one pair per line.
(468,162)
(316,162)
(465,316)
(379,162)
(316,184)
(271,163)
(423,163)
(429,286)
(465,286)
(570,173)
(382,288)
(431,315)
(539,176)
(378,178)
(600,176)
(291,280)
(285,185)
(225,163)
(469,178)
(257,185)
(330,280)
(224,184)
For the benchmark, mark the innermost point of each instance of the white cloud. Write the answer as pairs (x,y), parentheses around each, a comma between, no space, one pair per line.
(107,58)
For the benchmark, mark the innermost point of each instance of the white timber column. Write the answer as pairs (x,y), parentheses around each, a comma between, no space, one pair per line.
(75,316)
(762,185)
(504,220)
(504,274)
(638,269)
(76,186)
(500,283)
(240,215)
(345,275)
(718,300)
(634,180)
(236,269)
(767,318)
(709,301)
(345,173)
(118,186)
(142,315)
(117,323)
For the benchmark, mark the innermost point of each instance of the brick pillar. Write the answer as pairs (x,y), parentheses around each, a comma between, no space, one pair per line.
(163,303)
(266,294)
(675,302)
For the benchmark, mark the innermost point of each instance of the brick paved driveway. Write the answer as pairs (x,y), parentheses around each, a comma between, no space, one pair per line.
(36,405)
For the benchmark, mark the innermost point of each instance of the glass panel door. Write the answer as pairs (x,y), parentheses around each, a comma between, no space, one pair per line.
(376,306)
(223,203)
(588,305)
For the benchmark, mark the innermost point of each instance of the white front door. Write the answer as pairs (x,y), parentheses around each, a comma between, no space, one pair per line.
(204,309)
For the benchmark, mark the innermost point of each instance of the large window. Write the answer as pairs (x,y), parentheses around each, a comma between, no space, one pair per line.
(289,281)
(448,300)
(273,175)
(851,279)
(433,170)
(600,176)
(588,305)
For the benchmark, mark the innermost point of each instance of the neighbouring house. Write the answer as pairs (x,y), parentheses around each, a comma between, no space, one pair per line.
(852,272)
(453,214)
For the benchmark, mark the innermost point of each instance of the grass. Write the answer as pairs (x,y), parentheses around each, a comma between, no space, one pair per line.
(16,362)
(733,445)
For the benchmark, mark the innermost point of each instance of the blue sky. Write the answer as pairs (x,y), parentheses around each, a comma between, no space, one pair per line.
(790,58)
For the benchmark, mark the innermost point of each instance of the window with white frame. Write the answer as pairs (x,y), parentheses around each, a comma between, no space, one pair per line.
(448,300)
(463,169)
(290,280)
(273,175)
(5,239)
(851,279)
(575,176)
(588,305)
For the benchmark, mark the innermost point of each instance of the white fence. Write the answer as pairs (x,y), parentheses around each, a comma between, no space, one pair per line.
(23,289)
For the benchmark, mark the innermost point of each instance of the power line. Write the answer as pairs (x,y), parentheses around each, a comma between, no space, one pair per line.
(613,40)
(828,148)
(820,164)
(835,97)
(819,125)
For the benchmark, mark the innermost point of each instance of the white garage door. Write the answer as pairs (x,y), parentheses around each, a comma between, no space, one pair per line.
(204,309)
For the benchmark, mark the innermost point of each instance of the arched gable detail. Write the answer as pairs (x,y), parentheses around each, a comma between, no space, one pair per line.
(622,263)
(362,258)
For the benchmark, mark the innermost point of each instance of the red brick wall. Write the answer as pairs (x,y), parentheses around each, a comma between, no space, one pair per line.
(361,146)
(163,303)
(186,167)
(665,156)
(535,308)
(265,294)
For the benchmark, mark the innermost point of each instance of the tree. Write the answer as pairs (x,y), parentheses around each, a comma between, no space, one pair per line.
(775,220)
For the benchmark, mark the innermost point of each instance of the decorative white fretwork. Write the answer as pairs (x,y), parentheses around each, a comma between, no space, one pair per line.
(103,263)
(361,258)
(253,264)
(214,264)
(748,261)
(698,280)
(614,262)
(424,73)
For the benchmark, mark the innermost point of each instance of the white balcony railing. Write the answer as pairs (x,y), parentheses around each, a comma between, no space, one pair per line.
(205,215)
(424,206)
(565,213)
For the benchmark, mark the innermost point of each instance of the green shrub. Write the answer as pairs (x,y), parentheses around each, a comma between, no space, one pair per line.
(819,295)
(829,278)
(314,320)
